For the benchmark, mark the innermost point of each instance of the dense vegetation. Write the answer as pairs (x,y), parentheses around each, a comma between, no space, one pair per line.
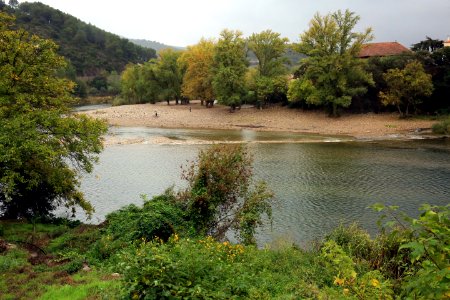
(177,244)
(43,147)
(331,77)
(93,54)
(151,252)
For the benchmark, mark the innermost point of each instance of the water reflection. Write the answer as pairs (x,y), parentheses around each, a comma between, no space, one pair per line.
(317,184)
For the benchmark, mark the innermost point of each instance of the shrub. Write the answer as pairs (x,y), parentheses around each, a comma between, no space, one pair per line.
(353,240)
(442,127)
(220,195)
(158,218)
(197,269)
(427,275)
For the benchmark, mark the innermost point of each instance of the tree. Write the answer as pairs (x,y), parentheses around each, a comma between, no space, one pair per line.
(428,45)
(13,3)
(220,197)
(269,48)
(140,84)
(406,87)
(43,146)
(332,65)
(230,66)
(197,81)
(170,75)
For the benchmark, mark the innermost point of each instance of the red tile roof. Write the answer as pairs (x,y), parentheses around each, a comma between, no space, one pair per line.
(382,49)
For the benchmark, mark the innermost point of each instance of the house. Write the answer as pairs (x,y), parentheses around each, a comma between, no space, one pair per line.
(447,42)
(382,49)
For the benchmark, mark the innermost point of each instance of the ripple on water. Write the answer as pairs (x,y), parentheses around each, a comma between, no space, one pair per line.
(317,185)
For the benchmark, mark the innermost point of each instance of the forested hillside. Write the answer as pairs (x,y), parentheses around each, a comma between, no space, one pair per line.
(90,50)
(154,45)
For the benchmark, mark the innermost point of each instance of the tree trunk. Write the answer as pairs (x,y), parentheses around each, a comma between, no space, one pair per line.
(334,112)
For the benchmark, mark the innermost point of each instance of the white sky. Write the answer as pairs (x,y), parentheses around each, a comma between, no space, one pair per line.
(184,22)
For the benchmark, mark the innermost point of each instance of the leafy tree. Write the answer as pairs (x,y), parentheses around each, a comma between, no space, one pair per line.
(13,3)
(140,83)
(406,87)
(332,65)
(43,147)
(271,89)
(220,197)
(269,48)
(437,64)
(429,45)
(377,66)
(230,66)
(197,80)
(170,75)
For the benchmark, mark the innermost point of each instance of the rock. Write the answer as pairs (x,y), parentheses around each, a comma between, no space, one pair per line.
(115,275)
(86,267)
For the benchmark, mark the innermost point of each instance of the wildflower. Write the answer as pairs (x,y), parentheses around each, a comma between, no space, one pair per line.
(339,281)
(375,282)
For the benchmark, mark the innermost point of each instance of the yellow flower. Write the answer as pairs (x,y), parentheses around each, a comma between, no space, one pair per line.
(346,291)
(339,281)
(375,282)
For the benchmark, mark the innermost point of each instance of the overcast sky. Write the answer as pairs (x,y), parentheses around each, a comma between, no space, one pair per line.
(184,22)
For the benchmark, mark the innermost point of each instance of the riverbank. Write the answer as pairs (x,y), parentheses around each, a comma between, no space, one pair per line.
(277,118)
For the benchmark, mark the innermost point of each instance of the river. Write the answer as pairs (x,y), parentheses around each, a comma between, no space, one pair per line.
(318,181)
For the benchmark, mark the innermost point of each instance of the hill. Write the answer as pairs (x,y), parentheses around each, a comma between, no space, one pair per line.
(153,45)
(89,49)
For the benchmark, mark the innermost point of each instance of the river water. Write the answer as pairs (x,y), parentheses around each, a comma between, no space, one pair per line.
(318,181)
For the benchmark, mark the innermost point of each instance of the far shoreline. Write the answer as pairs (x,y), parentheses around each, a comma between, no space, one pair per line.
(273,119)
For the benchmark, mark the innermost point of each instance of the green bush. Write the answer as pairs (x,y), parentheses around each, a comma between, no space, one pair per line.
(442,127)
(158,218)
(118,101)
(426,272)
(221,195)
(12,259)
(353,239)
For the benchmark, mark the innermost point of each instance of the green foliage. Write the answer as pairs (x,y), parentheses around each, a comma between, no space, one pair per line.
(429,45)
(89,49)
(170,75)
(300,89)
(371,285)
(430,248)
(220,196)
(158,218)
(12,259)
(90,285)
(230,66)
(43,147)
(442,127)
(269,48)
(427,273)
(207,269)
(332,65)
(406,87)
(139,83)
(352,239)
(155,80)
